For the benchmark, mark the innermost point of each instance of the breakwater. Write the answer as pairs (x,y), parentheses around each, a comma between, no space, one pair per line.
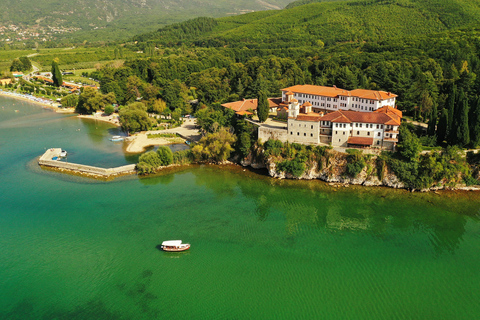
(95,172)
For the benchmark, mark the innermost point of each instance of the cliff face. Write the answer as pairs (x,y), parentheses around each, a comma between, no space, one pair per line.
(334,170)
(336,174)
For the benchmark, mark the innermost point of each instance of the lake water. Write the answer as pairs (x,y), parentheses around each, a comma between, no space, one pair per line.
(75,248)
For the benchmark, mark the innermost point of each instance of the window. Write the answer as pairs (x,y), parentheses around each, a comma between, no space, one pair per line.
(358,133)
(336,132)
(360,125)
(311,127)
(356,125)
(339,140)
(378,126)
(304,134)
(378,142)
(291,132)
(298,133)
(379,134)
(343,132)
(311,134)
(368,133)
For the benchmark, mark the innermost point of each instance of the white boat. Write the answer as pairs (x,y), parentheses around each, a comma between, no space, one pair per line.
(63,153)
(174,246)
(117,138)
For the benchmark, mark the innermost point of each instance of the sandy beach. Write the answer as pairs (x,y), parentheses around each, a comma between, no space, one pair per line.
(139,142)
(113,118)
(37,100)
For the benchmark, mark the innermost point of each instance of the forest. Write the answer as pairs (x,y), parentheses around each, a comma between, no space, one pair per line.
(426,52)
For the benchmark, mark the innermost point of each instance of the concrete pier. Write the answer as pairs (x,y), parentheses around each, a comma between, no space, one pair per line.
(95,172)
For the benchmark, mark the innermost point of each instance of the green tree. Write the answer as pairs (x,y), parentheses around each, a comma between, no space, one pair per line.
(109,109)
(442,127)
(214,146)
(475,123)
(27,65)
(56,74)
(134,117)
(262,107)
(450,105)
(165,155)
(461,121)
(432,122)
(16,65)
(244,144)
(409,145)
(69,101)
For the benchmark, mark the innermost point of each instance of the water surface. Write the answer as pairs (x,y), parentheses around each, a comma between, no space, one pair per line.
(74,248)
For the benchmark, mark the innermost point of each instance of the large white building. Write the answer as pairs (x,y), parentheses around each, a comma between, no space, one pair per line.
(328,99)
(343,128)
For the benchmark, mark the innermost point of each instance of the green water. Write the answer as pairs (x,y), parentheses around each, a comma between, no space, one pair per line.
(74,248)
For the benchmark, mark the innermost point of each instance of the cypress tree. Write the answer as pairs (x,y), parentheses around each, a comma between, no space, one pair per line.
(432,122)
(56,74)
(461,121)
(262,107)
(442,127)
(450,105)
(475,123)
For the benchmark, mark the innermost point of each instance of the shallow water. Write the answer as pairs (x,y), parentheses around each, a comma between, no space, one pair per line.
(74,248)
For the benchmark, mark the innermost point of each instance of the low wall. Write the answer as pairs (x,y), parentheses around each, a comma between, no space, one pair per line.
(46,160)
(265,133)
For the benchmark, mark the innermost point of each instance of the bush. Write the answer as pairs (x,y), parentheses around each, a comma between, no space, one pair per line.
(145,168)
(151,158)
(355,162)
(165,155)
(273,147)
(295,167)
(109,109)
(182,157)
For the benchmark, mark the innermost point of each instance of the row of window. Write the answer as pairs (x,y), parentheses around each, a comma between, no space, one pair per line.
(357,125)
(304,134)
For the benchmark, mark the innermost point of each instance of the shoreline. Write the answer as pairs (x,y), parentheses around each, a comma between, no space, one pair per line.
(112,119)
(44,102)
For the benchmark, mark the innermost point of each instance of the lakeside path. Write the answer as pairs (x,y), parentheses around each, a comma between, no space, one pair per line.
(139,142)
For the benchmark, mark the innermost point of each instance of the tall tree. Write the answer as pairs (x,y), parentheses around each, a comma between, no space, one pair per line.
(432,122)
(56,74)
(262,107)
(442,127)
(475,123)
(461,121)
(450,105)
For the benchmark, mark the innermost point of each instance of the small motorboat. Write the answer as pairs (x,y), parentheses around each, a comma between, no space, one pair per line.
(63,153)
(174,246)
(117,138)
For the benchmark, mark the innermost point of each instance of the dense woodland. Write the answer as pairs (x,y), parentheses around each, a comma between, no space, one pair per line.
(427,52)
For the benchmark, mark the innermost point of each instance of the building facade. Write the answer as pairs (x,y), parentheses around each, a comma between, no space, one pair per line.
(328,99)
(343,128)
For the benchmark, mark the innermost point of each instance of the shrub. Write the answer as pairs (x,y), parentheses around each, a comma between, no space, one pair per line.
(145,168)
(295,167)
(151,158)
(273,147)
(109,109)
(165,155)
(355,162)
(182,157)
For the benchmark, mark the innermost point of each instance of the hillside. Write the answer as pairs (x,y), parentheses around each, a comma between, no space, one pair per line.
(328,22)
(110,19)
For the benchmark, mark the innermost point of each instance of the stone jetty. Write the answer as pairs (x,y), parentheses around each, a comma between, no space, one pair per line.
(46,160)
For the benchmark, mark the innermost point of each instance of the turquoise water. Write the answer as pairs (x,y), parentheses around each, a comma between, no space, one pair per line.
(74,248)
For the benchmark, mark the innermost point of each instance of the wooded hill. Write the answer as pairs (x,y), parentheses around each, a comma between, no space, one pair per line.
(325,22)
(104,20)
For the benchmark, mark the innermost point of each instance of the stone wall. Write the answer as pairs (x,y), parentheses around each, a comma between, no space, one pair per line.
(265,133)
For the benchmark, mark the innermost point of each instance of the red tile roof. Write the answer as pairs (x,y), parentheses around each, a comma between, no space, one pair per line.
(381,116)
(312,116)
(335,92)
(360,141)
(247,104)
